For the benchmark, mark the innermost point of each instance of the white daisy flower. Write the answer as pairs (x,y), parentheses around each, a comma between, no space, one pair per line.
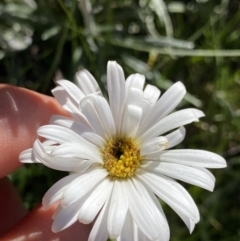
(118,158)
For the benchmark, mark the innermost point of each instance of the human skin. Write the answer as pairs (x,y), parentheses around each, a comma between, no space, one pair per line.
(21,113)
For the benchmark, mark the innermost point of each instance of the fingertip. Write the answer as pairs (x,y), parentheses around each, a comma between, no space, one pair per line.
(21,112)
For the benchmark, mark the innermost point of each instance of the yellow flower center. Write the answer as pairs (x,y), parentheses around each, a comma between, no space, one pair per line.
(121,157)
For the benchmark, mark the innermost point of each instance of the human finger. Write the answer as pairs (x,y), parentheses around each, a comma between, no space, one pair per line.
(37,226)
(11,206)
(21,113)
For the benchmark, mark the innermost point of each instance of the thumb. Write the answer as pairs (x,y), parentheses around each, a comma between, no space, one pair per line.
(37,226)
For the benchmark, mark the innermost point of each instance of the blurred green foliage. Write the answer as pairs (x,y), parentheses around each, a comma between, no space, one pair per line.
(196,42)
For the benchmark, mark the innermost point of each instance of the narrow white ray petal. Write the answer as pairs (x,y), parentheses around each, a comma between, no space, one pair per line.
(60,134)
(169,191)
(28,156)
(117,210)
(82,185)
(55,192)
(135,81)
(79,128)
(153,206)
(57,211)
(95,202)
(104,112)
(116,91)
(61,164)
(172,121)
(197,158)
(66,101)
(150,96)
(188,221)
(134,115)
(84,165)
(191,203)
(69,104)
(154,145)
(66,217)
(176,137)
(94,138)
(135,98)
(135,231)
(193,175)
(90,112)
(170,99)
(87,82)
(145,219)
(99,230)
(85,131)
(142,237)
(72,90)
(127,231)
(76,150)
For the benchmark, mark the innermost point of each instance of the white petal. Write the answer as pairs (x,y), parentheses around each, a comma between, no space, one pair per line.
(28,156)
(153,145)
(72,90)
(55,192)
(82,185)
(172,121)
(76,150)
(57,211)
(66,101)
(99,230)
(135,81)
(170,99)
(84,165)
(176,137)
(116,91)
(69,104)
(62,164)
(104,112)
(193,175)
(66,217)
(79,128)
(170,192)
(136,231)
(127,231)
(85,131)
(95,201)
(117,210)
(142,237)
(87,82)
(143,215)
(150,96)
(188,221)
(130,126)
(153,206)
(135,98)
(60,134)
(90,112)
(197,158)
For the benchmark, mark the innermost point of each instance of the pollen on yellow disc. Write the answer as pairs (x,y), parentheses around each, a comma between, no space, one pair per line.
(121,157)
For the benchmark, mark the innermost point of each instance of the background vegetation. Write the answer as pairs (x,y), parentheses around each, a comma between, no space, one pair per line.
(195,41)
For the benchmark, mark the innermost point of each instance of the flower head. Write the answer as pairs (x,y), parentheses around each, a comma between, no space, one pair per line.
(118,157)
